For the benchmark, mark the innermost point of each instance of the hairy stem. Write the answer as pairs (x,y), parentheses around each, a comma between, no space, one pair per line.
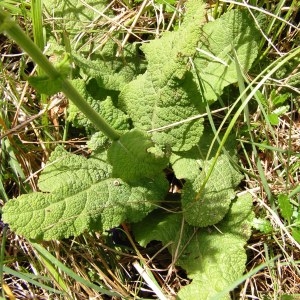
(17,34)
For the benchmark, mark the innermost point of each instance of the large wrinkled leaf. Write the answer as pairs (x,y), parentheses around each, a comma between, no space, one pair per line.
(166,92)
(77,194)
(234,32)
(222,255)
(213,258)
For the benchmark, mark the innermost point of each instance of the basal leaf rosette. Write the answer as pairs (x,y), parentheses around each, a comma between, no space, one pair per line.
(77,195)
(135,156)
(206,200)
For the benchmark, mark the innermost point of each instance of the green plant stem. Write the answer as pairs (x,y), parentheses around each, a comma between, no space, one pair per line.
(17,34)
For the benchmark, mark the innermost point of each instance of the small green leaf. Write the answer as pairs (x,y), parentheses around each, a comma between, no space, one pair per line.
(51,86)
(285,206)
(281,110)
(46,85)
(135,156)
(278,100)
(273,119)
(262,225)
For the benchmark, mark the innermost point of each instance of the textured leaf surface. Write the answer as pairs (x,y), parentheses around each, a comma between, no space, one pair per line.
(186,165)
(222,255)
(112,72)
(233,31)
(78,195)
(166,93)
(214,258)
(106,108)
(135,156)
(205,202)
(74,15)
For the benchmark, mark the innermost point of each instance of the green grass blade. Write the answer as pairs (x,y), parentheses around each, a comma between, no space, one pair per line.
(260,81)
(38,35)
(37,23)
(55,274)
(43,252)
(29,279)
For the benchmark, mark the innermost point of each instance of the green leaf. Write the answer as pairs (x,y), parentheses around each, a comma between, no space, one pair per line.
(166,93)
(112,72)
(114,117)
(216,259)
(106,108)
(205,202)
(296,233)
(213,258)
(278,100)
(50,86)
(285,206)
(75,15)
(77,195)
(186,165)
(135,156)
(215,64)
(46,85)
(262,225)
(273,119)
